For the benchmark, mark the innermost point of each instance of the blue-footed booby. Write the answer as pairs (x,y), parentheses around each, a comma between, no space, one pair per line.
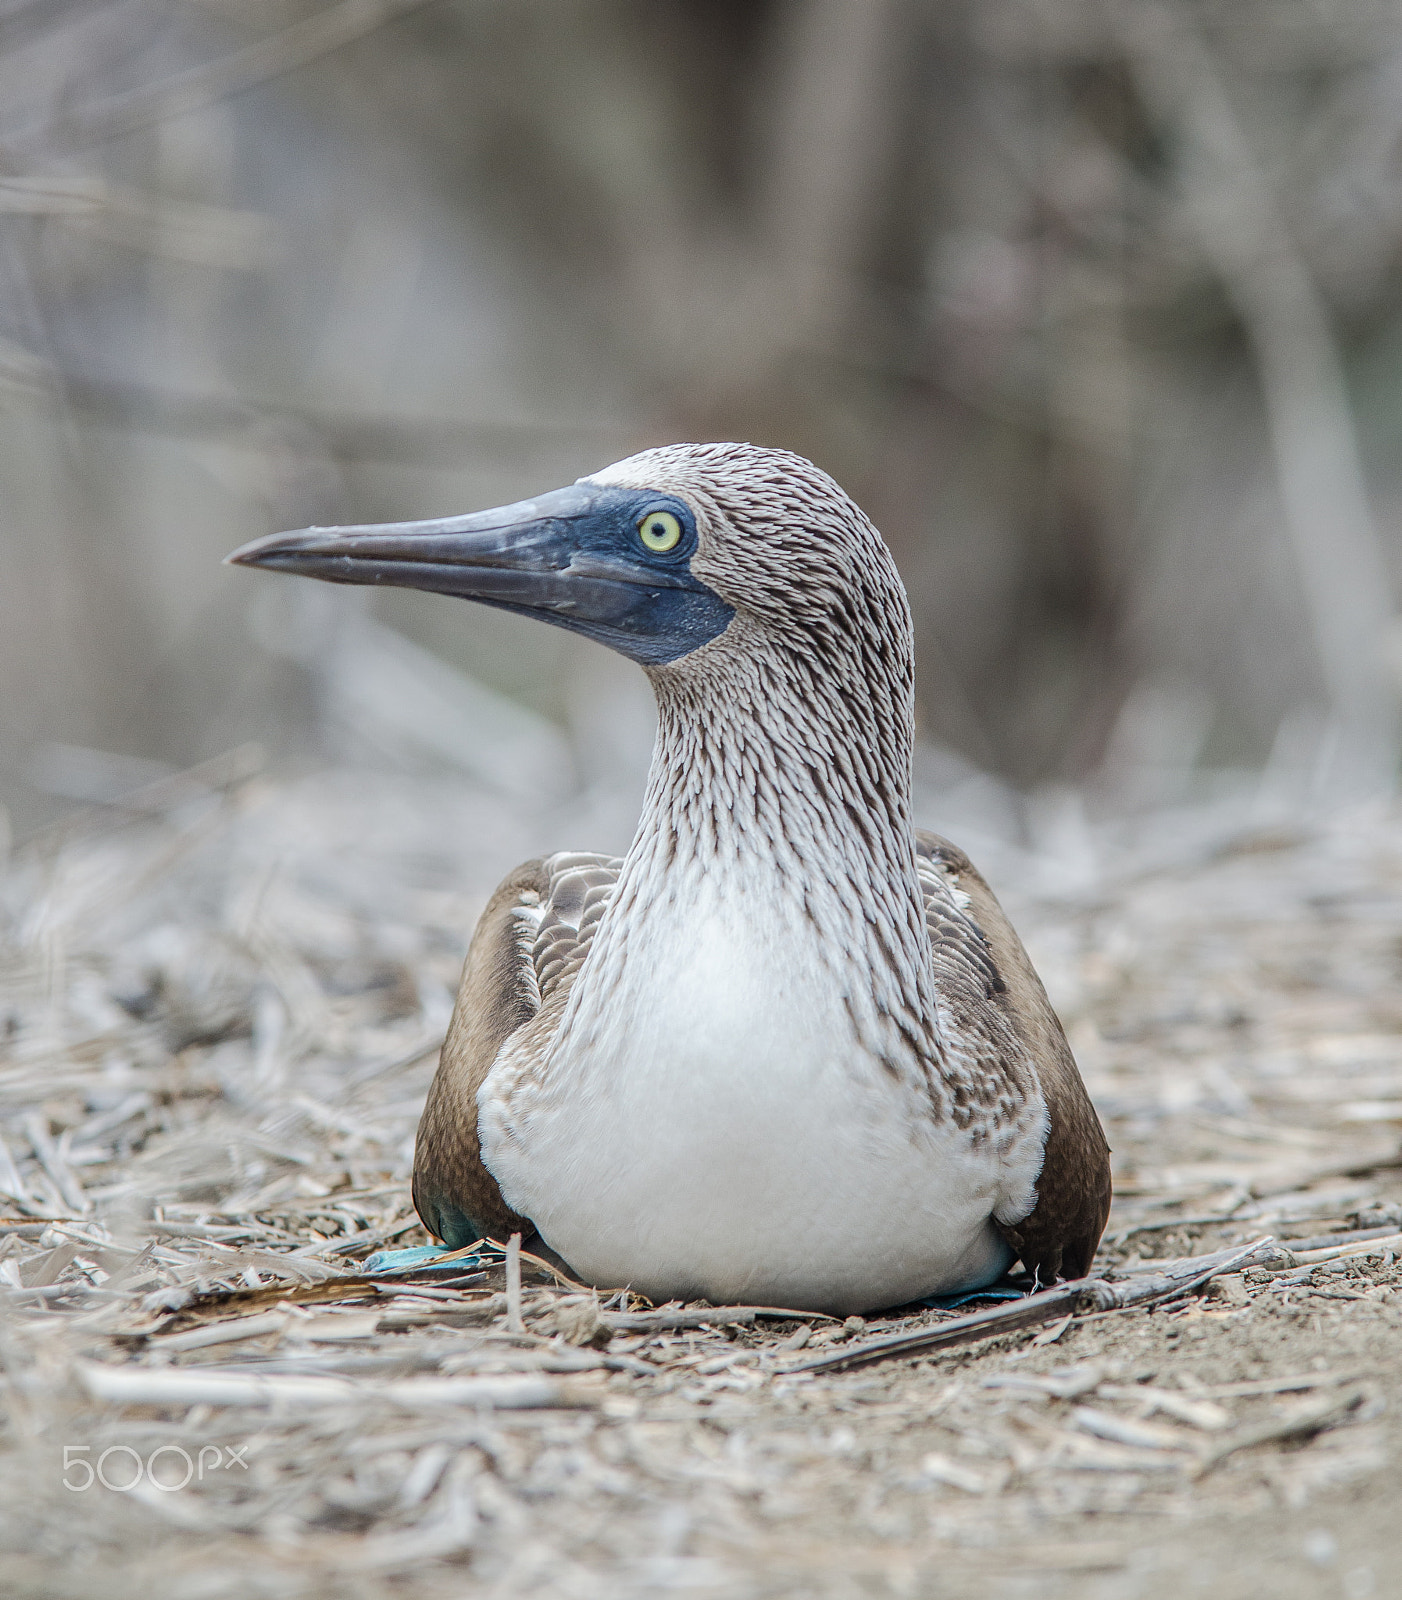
(788,1050)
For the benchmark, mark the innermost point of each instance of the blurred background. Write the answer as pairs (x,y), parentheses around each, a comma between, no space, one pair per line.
(1095,307)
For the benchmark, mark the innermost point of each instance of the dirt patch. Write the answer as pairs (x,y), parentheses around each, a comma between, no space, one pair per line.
(219,1019)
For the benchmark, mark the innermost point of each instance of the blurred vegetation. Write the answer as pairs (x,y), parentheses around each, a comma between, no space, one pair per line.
(1095,306)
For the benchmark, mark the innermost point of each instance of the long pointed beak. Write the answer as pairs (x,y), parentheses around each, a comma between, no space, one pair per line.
(565,557)
(505,555)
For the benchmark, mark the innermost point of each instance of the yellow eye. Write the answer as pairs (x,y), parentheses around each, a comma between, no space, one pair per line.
(660,531)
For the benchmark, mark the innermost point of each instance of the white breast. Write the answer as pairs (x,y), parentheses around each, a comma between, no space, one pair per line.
(707,1124)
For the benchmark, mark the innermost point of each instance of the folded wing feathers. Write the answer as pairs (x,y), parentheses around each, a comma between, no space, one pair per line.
(579,889)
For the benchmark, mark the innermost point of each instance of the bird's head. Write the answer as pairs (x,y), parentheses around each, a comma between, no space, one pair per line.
(656,556)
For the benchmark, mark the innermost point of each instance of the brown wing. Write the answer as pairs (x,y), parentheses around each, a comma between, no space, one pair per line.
(1058,1238)
(529,944)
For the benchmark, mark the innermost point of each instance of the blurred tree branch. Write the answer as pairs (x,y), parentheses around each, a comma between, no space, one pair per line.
(348,436)
(214,236)
(285,51)
(1324,496)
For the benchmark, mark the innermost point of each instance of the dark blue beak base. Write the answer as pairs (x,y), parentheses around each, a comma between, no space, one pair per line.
(573,558)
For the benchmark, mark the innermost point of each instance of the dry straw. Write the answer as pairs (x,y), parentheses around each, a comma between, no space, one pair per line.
(220,1008)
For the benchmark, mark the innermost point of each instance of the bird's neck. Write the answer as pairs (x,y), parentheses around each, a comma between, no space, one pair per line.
(768,755)
(779,801)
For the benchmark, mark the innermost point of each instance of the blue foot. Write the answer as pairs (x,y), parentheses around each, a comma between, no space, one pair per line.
(948,1302)
(421,1258)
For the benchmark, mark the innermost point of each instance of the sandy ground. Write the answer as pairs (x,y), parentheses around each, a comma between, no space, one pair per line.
(218,1015)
